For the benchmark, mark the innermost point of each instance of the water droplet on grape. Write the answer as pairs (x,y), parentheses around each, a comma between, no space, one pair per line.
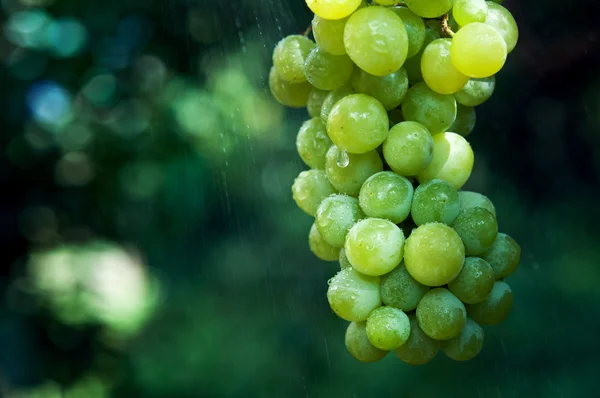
(343,158)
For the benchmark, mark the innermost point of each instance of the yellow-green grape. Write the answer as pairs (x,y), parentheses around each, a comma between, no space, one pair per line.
(289,56)
(415,29)
(386,195)
(435,111)
(400,290)
(359,346)
(388,328)
(478,50)
(476,91)
(352,295)
(309,190)
(495,308)
(504,256)
(452,160)
(467,344)
(347,172)
(335,216)
(315,102)
(465,120)
(374,246)
(294,95)
(440,314)
(470,199)
(413,64)
(429,8)
(329,34)
(469,11)
(477,228)
(475,281)
(389,90)
(419,349)
(376,40)
(501,19)
(320,248)
(344,263)
(434,254)
(333,9)
(437,69)
(385,2)
(313,143)
(332,99)
(408,149)
(327,71)
(358,123)
(435,201)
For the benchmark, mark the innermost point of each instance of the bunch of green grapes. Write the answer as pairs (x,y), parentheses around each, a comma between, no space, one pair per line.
(390,90)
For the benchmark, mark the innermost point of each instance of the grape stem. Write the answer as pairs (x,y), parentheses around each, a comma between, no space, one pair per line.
(307,31)
(446,29)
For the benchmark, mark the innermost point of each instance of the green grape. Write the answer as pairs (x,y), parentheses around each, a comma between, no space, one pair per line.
(495,308)
(504,256)
(477,228)
(429,8)
(329,34)
(400,290)
(395,117)
(440,314)
(347,172)
(313,143)
(327,71)
(374,246)
(501,19)
(413,64)
(476,91)
(388,328)
(465,120)
(469,11)
(294,95)
(452,160)
(309,190)
(433,110)
(437,69)
(478,50)
(435,201)
(408,149)
(389,90)
(385,2)
(376,40)
(434,254)
(333,9)
(289,56)
(335,216)
(420,348)
(358,123)
(352,295)
(415,29)
(475,281)
(467,344)
(470,199)
(386,195)
(320,248)
(315,102)
(344,263)
(332,99)
(359,346)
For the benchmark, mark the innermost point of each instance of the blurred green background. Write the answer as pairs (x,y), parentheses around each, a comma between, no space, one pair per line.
(151,247)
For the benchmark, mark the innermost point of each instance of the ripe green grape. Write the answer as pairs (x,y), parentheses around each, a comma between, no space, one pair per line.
(478,50)
(320,248)
(452,160)
(344,263)
(352,295)
(332,99)
(470,199)
(389,90)
(347,172)
(469,11)
(477,228)
(315,101)
(376,40)
(335,216)
(435,201)
(465,120)
(467,344)
(415,29)
(309,190)
(359,346)
(504,256)
(333,9)
(419,349)
(495,308)
(294,95)
(386,195)
(313,143)
(413,64)
(400,290)
(437,69)
(329,34)
(476,91)
(501,19)
(433,110)
(408,149)
(429,8)
(441,315)
(374,246)
(388,328)
(434,254)
(327,71)
(289,56)
(358,123)
(475,281)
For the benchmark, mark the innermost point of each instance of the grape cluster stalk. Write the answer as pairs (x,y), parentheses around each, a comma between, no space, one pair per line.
(391,92)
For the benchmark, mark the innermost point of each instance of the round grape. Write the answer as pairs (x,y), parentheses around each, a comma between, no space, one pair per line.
(437,69)
(400,290)
(435,201)
(452,160)
(289,56)
(335,216)
(415,29)
(386,195)
(501,19)
(320,248)
(504,256)
(388,328)
(475,281)
(294,95)
(478,50)
(419,349)
(309,190)
(333,9)
(352,295)
(408,149)
(476,91)
(495,308)
(313,143)
(477,228)
(465,120)
(441,315)
(359,346)
(469,11)
(470,199)
(389,90)
(413,64)
(327,71)
(435,111)
(347,172)
(467,344)
(329,34)
(332,99)
(429,8)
